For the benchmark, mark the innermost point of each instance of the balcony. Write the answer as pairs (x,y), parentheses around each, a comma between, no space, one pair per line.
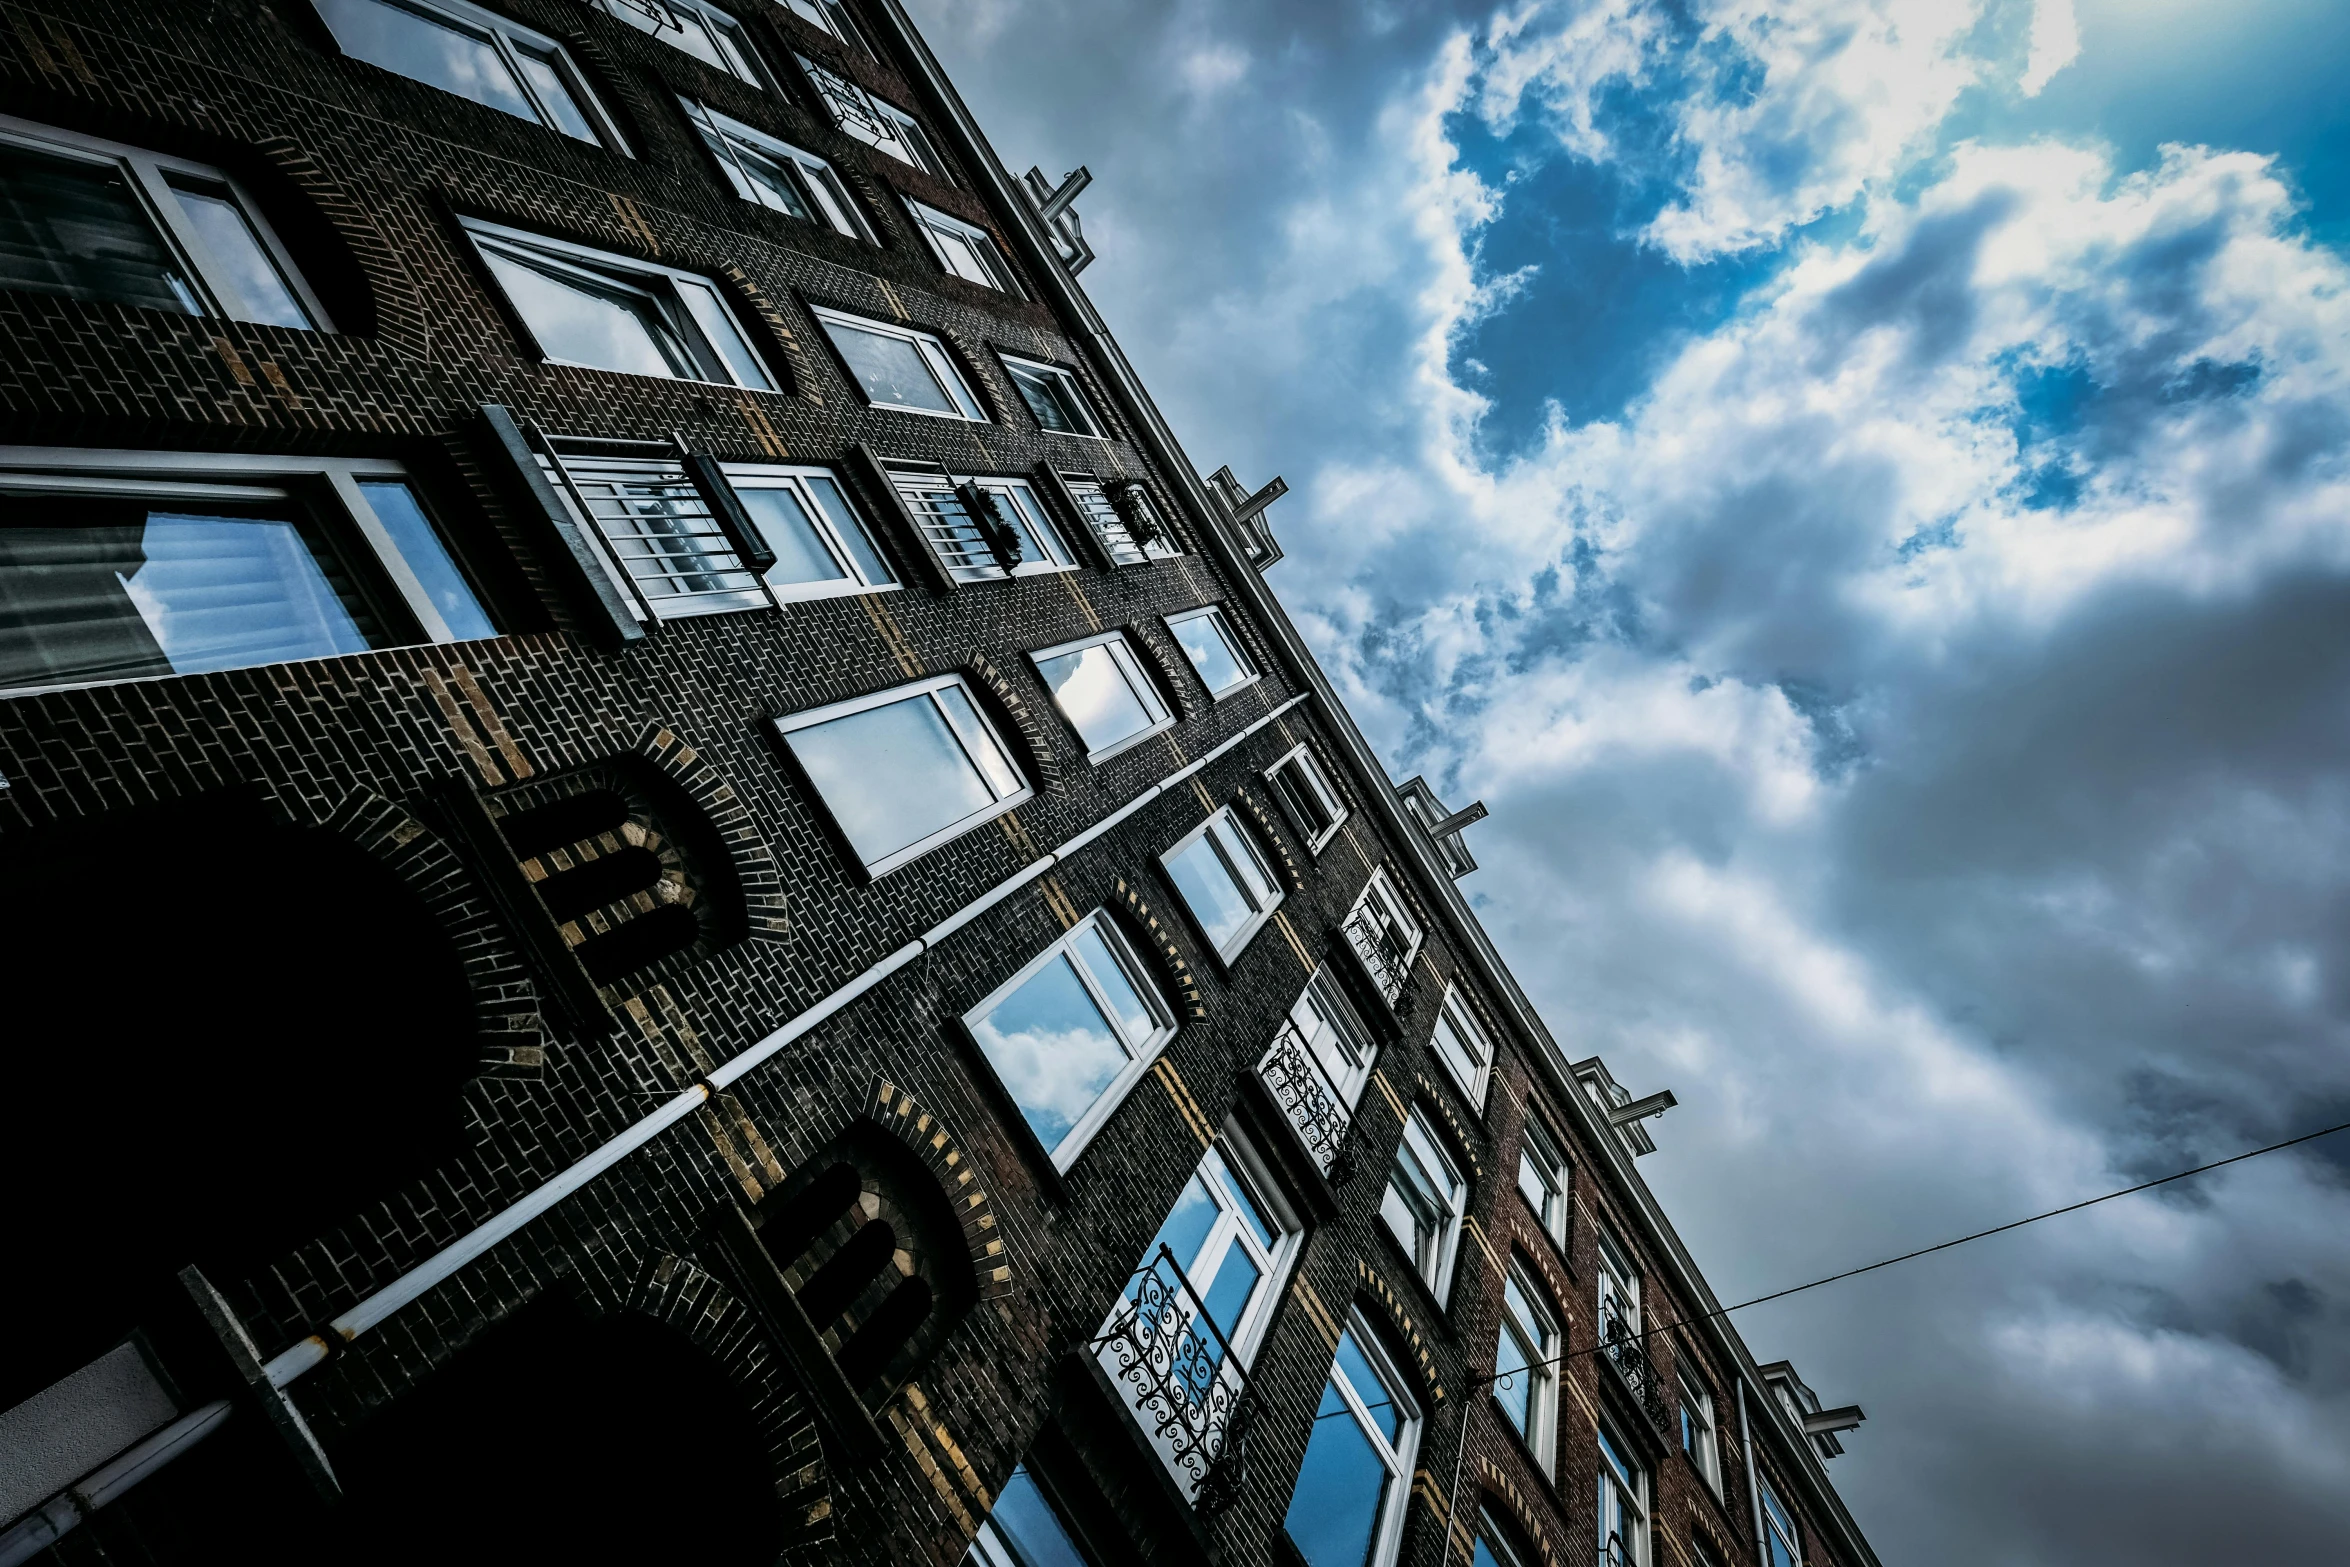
(1382,954)
(1188,1390)
(1620,1347)
(1301,1087)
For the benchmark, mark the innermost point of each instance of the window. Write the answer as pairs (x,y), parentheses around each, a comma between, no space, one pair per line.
(1347,1508)
(1025,1530)
(905,770)
(1071,1032)
(774,173)
(1525,1364)
(97,220)
(1493,1543)
(118,565)
(883,126)
(1224,881)
(901,368)
(1382,932)
(1123,517)
(475,54)
(1305,793)
(1542,1178)
(1462,1046)
(1233,1243)
(965,249)
(1623,1505)
(703,31)
(822,547)
(1423,1204)
(606,312)
(662,546)
(1214,651)
(1100,688)
(1782,1543)
(1619,1290)
(1053,395)
(1335,1036)
(830,15)
(1699,1437)
(980,528)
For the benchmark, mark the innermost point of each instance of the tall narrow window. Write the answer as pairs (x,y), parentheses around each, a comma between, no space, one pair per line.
(905,770)
(1234,1245)
(1494,1544)
(1341,1047)
(898,367)
(119,565)
(667,551)
(1699,1438)
(94,219)
(1525,1364)
(1224,881)
(878,124)
(1071,1032)
(1619,1291)
(1316,1067)
(980,527)
(1123,518)
(1025,1530)
(1423,1204)
(1207,640)
(774,173)
(1306,795)
(1347,1508)
(1462,1046)
(1383,933)
(607,312)
(1781,1541)
(965,249)
(822,546)
(1099,686)
(475,54)
(832,16)
(1542,1178)
(703,31)
(1623,1504)
(1053,395)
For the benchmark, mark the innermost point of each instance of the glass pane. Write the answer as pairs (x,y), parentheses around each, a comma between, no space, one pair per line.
(111,590)
(889,369)
(1513,1380)
(825,189)
(1043,544)
(1026,1523)
(553,86)
(1533,1181)
(766,179)
(76,228)
(1187,1227)
(1245,864)
(891,775)
(783,521)
(1127,1007)
(1237,1276)
(255,288)
(978,741)
(395,506)
(1341,1488)
(607,326)
(1369,1386)
(428,49)
(1095,696)
(719,329)
(962,256)
(1210,654)
(850,530)
(1251,1211)
(1207,887)
(1464,1061)
(1043,398)
(1053,1049)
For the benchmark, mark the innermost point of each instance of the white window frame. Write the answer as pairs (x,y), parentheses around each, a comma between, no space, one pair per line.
(1540,1342)
(914,482)
(1140,1052)
(626,271)
(1117,541)
(1616,1487)
(230,476)
(790,723)
(832,17)
(1456,1012)
(1234,1161)
(613,527)
(1067,379)
(1779,1524)
(1396,1456)
(1701,1432)
(935,358)
(876,121)
(149,175)
(1617,1289)
(1130,669)
(1553,1172)
(1214,615)
(727,35)
(1238,944)
(1426,1144)
(1499,1543)
(1385,906)
(509,38)
(795,477)
(1301,760)
(820,185)
(991,258)
(1332,1015)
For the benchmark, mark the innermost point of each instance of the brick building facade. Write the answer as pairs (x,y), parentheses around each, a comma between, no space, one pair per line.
(646,920)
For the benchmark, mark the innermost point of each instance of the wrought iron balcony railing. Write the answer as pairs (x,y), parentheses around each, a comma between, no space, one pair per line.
(1616,1551)
(1376,945)
(1302,1088)
(1621,1348)
(1189,1391)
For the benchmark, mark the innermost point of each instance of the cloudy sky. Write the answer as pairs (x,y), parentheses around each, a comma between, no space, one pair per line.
(1859,487)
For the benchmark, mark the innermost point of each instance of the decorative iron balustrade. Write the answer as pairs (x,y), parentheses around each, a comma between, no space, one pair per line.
(1302,1088)
(1190,1391)
(1376,945)
(1621,1348)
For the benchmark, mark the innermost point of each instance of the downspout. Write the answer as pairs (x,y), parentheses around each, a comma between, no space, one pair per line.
(1762,1553)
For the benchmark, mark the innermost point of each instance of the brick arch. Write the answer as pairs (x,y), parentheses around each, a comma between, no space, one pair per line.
(1458,1140)
(1497,1490)
(1272,830)
(394,301)
(925,1133)
(1157,943)
(1175,674)
(758,879)
(1381,1302)
(1011,704)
